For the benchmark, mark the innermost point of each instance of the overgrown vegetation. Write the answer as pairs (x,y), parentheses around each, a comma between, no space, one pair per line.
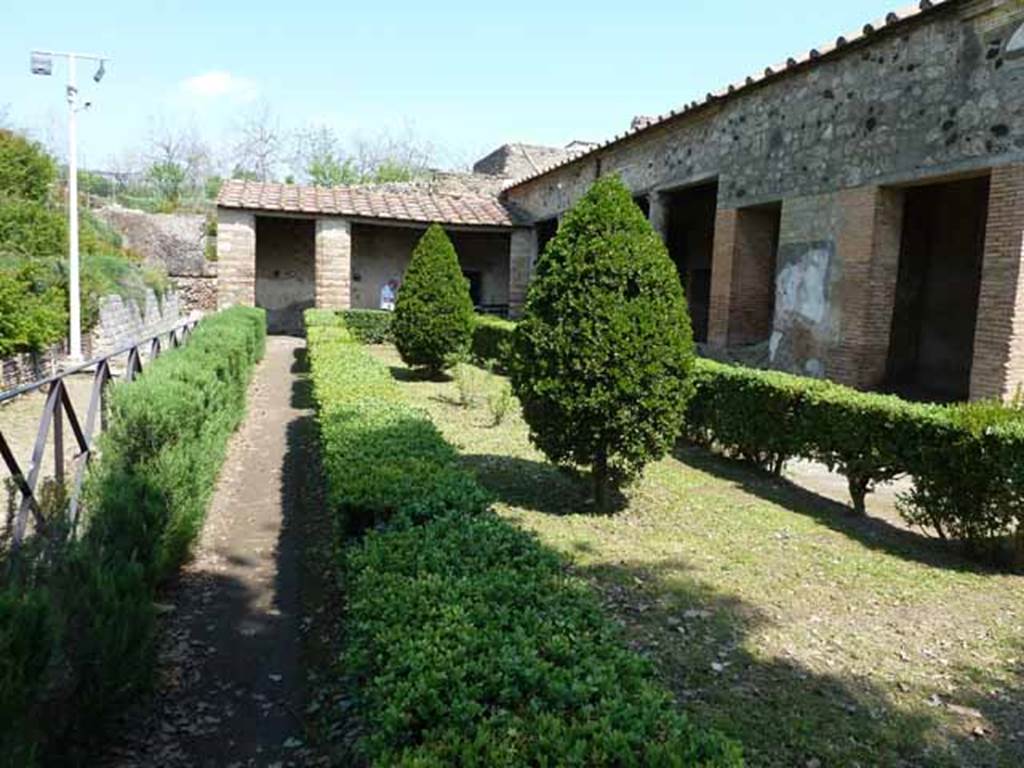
(966,461)
(33,255)
(76,616)
(601,358)
(467,642)
(433,323)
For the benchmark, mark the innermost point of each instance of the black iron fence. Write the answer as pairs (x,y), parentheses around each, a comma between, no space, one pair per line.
(60,421)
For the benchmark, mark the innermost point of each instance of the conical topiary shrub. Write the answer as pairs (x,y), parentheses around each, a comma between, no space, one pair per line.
(602,356)
(433,323)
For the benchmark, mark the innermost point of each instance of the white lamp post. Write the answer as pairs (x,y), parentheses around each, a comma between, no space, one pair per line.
(42,64)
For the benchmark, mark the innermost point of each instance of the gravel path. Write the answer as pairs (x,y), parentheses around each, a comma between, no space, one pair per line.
(230,688)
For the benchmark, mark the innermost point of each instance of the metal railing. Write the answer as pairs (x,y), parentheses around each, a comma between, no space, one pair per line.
(58,408)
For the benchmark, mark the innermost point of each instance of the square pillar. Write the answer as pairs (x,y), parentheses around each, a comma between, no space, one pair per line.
(658,214)
(522,253)
(333,263)
(236,258)
(868,241)
(998,365)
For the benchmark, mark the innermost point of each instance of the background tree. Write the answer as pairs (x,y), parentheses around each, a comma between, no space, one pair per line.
(26,171)
(602,356)
(260,142)
(433,322)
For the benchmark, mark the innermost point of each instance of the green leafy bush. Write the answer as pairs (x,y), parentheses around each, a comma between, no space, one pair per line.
(433,322)
(467,643)
(29,319)
(966,462)
(602,356)
(492,339)
(89,610)
(30,228)
(27,172)
(369,326)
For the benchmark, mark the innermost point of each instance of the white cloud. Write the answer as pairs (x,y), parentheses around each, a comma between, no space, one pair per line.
(219,84)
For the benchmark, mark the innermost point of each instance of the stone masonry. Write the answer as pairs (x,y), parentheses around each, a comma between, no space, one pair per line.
(333,263)
(236,258)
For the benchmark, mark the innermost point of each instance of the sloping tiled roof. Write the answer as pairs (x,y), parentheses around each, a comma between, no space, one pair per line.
(398,202)
(770,73)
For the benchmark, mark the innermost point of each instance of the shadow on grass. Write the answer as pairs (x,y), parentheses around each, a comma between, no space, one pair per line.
(873,532)
(784,713)
(405,374)
(538,486)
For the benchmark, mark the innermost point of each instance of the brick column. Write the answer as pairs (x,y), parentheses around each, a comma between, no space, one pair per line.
(998,367)
(522,253)
(236,258)
(658,215)
(723,300)
(868,236)
(333,263)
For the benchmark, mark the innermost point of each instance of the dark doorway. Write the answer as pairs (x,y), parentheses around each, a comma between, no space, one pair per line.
(546,230)
(285,271)
(932,342)
(691,238)
(755,262)
(643,202)
(475,286)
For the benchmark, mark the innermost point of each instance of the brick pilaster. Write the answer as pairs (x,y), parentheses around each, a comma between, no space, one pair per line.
(868,250)
(333,263)
(236,258)
(998,366)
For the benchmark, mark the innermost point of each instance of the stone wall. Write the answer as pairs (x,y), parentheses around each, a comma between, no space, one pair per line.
(236,258)
(175,242)
(121,323)
(935,96)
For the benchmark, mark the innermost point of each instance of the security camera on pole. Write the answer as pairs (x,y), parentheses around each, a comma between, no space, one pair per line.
(42,64)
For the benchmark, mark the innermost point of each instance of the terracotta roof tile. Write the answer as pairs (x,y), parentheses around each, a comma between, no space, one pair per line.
(408,202)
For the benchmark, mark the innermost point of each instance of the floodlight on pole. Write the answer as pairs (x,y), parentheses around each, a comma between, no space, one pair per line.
(42,64)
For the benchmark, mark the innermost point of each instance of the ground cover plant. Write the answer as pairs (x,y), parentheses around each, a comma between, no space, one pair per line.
(601,358)
(76,621)
(812,636)
(433,322)
(466,642)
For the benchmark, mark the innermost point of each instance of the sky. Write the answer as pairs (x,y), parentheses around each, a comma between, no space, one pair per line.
(465,77)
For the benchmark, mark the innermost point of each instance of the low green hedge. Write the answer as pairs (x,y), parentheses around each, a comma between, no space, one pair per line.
(370,326)
(76,626)
(492,337)
(966,461)
(467,643)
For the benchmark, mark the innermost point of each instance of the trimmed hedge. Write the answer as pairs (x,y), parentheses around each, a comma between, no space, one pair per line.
(468,643)
(76,628)
(966,461)
(369,326)
(492,339)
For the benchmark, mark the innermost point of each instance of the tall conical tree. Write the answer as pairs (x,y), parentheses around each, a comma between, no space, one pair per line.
(602,356)
(433,321)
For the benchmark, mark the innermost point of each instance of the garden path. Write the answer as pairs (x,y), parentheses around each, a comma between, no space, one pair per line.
(230,688)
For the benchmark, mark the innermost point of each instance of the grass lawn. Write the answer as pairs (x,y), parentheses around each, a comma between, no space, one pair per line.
(814,638)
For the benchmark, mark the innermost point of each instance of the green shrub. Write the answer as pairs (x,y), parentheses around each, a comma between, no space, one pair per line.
(369,326)
(966,462)
(30,228)
(27,172)
(492,339)
(602,356)
(433,322)
(466,642)
(87,614)
(29,320)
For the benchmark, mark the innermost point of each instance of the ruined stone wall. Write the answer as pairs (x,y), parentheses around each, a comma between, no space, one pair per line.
(939,95)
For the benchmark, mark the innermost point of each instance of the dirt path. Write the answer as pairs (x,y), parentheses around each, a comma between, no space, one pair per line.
(230,688)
